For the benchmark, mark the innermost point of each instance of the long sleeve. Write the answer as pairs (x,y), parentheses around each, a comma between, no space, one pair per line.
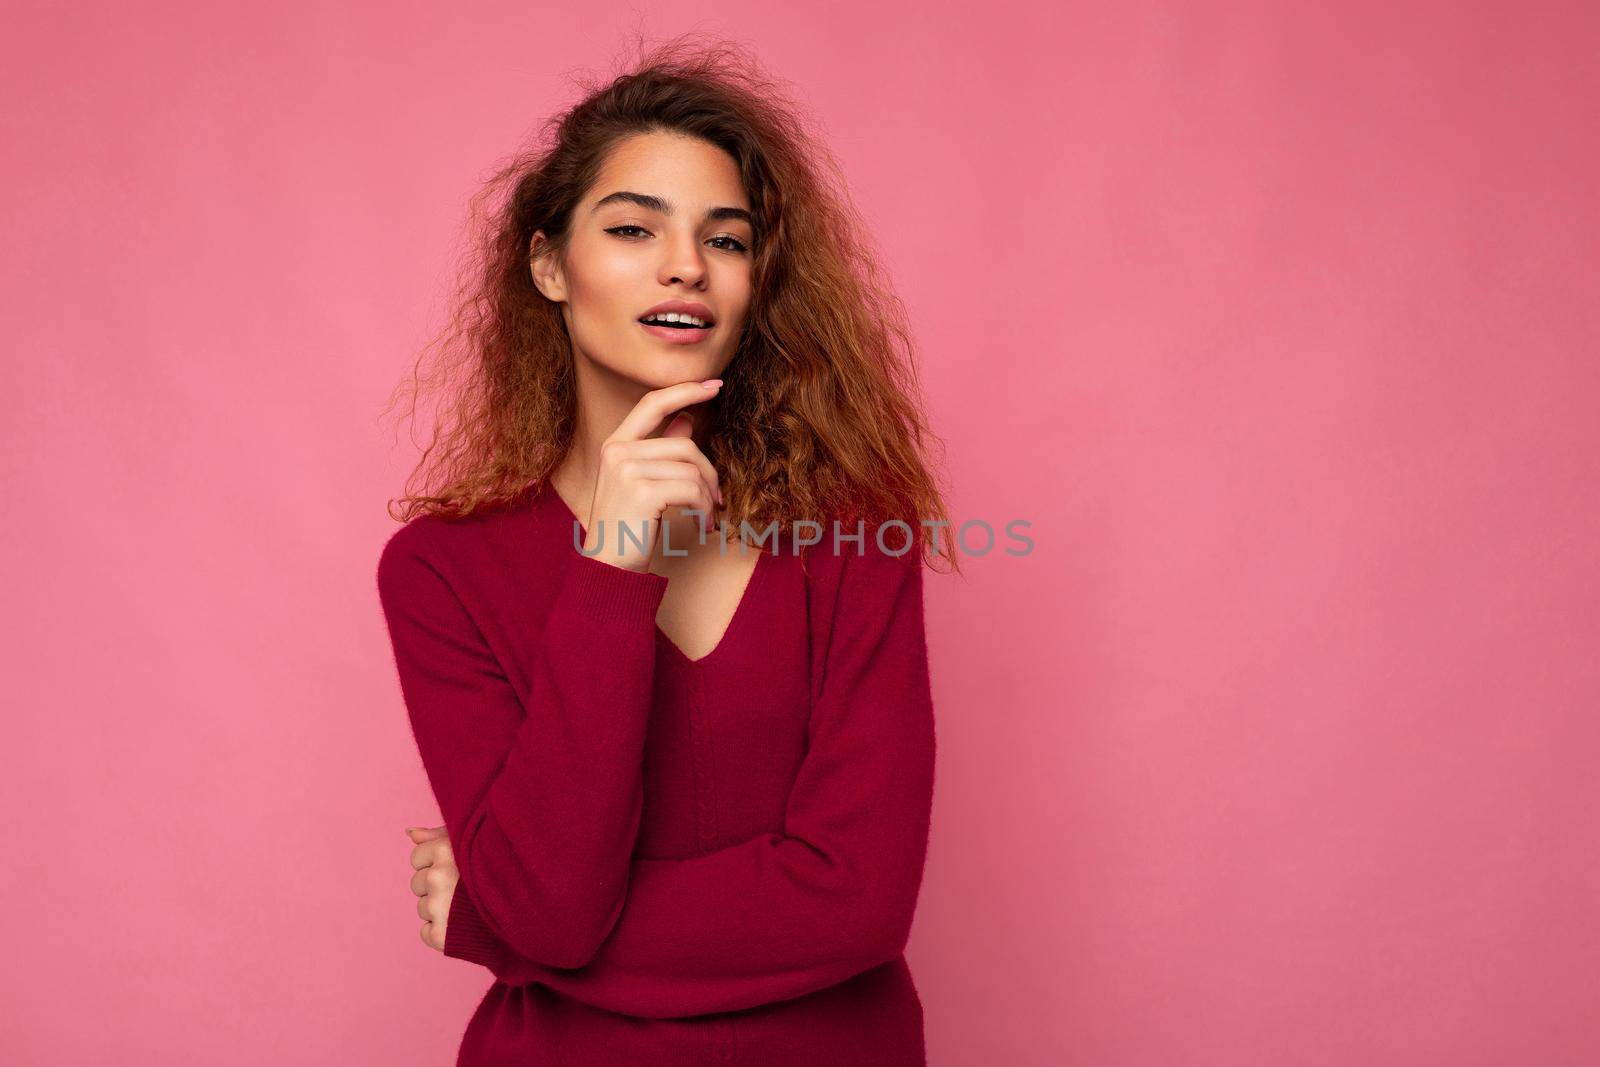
(783,915)
(540,787)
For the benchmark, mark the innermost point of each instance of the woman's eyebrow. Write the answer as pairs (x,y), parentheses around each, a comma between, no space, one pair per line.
(664,207)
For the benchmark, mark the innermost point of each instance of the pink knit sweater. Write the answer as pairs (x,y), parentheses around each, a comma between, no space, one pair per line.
(667,860)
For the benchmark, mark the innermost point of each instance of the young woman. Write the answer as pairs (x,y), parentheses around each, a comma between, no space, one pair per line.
(685,774)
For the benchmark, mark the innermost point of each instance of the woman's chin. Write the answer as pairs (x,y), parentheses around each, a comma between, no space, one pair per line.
(656,366)
(660,370)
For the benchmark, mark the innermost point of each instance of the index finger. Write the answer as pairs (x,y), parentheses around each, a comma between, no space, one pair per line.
(655,406)
(430,852)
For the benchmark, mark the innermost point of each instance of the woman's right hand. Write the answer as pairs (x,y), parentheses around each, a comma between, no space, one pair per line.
(642,475)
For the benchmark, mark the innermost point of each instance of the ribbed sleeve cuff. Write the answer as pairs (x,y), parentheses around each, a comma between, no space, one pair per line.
(608,593)
(467,936)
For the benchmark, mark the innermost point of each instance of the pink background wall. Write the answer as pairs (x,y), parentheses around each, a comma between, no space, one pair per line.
(1277,322)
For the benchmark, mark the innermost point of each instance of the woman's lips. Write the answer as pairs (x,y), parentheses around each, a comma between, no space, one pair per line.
(678,335)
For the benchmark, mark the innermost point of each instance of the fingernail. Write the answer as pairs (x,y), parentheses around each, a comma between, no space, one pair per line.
(711,383)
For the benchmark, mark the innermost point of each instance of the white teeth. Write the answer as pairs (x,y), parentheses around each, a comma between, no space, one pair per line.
(673,316)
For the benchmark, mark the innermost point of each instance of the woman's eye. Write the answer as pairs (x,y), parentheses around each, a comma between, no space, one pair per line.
(734,244)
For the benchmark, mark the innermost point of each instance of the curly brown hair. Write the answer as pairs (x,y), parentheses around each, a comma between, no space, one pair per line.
(820,414)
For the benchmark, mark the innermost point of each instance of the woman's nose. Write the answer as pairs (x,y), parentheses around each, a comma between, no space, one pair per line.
(684,262)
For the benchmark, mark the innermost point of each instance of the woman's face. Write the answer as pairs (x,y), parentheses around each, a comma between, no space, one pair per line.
(679,230)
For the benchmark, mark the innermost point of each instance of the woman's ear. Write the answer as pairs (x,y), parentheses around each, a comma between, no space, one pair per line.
(545,267)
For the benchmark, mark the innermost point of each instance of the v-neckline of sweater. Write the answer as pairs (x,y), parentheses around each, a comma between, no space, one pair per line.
(728,633)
